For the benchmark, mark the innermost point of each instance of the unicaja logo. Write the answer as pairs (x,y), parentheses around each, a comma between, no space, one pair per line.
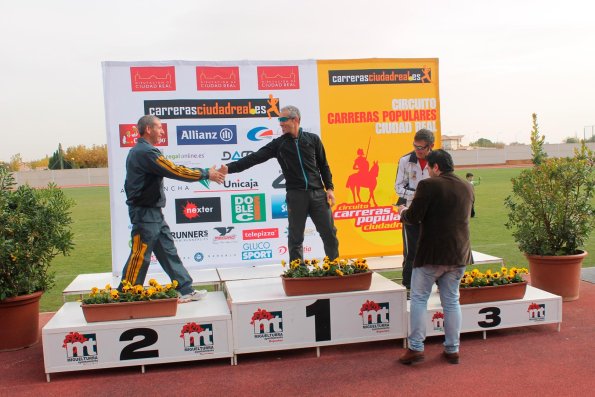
(374,315)
(198,337)
(536,312)
(438,321)
(268,325)
(81,348)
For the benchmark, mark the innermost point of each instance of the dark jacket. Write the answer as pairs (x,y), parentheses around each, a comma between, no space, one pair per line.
(442,205)
(145,169)
(302,160)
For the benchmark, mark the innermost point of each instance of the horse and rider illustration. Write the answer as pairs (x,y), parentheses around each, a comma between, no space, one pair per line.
(365,177)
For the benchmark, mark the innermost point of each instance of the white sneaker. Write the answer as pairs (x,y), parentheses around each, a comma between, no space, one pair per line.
(193,296)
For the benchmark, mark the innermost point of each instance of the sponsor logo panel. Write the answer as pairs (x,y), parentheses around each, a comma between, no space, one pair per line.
(198,210)
(236,155)
(153,78)
(198,338)
(278,206)
(374,315)
(259,234)
(190,235)
(380,76)
(260,133)
(217,78)
(256,250)
(213,108)
(206,134)
(278,77)
(536,311)
(80,348)
(267,325)
(225,234)
(248,208)
(129,135)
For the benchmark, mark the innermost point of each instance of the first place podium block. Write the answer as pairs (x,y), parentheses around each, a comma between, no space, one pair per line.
(264,318)
(200,330)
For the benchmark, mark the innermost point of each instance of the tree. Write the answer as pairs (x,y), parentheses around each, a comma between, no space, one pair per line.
(58,161)
(537,152)
(571,140)
(15,162)
(483,142)
(83,157)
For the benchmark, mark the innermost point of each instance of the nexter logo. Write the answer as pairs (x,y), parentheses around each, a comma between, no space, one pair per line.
(206,134)
(198,337)
(80,348)
(536,312)
(374,315)
(248,208)
(153,78)
(257,250)
(267,325)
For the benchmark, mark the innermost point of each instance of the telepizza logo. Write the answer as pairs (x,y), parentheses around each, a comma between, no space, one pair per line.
(380,76)
(80,348)
(248,208)
(213,108)
(260,234)
(438,321)
(268,325)
(278,77)
(536,312)
(217,78)
(375,315)
(278,206)
(206,134)
(259,133)
(129,135)
(198,210)
(198,338)
(153,78)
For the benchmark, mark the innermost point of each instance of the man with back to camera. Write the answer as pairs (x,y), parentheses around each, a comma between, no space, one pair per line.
(308,182)
(145,169)
(411,170)
(442,207)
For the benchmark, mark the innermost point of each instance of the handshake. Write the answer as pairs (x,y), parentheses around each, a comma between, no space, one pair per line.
(218,174)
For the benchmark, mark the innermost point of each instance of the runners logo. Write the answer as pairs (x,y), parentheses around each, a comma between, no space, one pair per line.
(278,77)
(198,338)
(438,321)
(248,208)
(375,315)
(213,108)
(80,348)
(198,210)
(268,325)
(155,78)
(536,312)
(380,76)
(215,78)
(224,235)
(278,206)
(190,235)
(129,135)
(259,133)
(206,134)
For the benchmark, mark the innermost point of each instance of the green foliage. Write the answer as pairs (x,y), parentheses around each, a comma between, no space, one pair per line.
(483,142)
(58,160)
(34,228)
(550,209)
(537,152)
(132,293)
(313,268)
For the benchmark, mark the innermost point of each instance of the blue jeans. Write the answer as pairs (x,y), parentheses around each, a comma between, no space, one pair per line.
(448,278)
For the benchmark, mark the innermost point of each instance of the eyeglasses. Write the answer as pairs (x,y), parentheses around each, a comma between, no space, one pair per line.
(284,119)
(421,147)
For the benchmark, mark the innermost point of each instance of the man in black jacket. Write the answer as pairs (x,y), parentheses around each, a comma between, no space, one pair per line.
(145,169)
(308,182)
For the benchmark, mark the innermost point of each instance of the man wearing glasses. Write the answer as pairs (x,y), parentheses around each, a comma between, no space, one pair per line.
(412,169)
(308,182)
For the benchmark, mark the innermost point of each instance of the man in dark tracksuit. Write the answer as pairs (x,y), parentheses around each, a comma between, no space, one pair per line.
(145,169)
(308,182)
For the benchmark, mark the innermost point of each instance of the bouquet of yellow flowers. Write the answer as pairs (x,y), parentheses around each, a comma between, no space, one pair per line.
(132,293)
(475,278)
(314,268)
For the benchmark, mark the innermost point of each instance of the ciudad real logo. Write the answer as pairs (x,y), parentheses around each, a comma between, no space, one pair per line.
(213,108)
(129,135)
(217,78)
(198,337)
(267,325)
(374,315)
(153,78)
(80,348)
(278,77)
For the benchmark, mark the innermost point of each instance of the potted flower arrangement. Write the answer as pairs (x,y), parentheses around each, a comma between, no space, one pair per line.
(35,227)
(551,214)
(491,286)
(315,277)
(135,301)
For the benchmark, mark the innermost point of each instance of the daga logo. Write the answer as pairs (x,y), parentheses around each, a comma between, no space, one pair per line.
(215,78)
(198,338)
(129,135)
(198,210)
(375,315)
(278,77)
(81,348)
(267,325)
(153,78)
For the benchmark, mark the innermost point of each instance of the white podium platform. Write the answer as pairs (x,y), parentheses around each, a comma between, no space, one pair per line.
(264,318)
(395,262)
(72,344)
(537,307)
(249,273)
(83,283)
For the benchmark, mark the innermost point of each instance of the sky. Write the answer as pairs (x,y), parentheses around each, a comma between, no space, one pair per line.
(499,62)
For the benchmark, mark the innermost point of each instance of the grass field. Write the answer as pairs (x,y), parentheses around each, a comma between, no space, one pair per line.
(92,253)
